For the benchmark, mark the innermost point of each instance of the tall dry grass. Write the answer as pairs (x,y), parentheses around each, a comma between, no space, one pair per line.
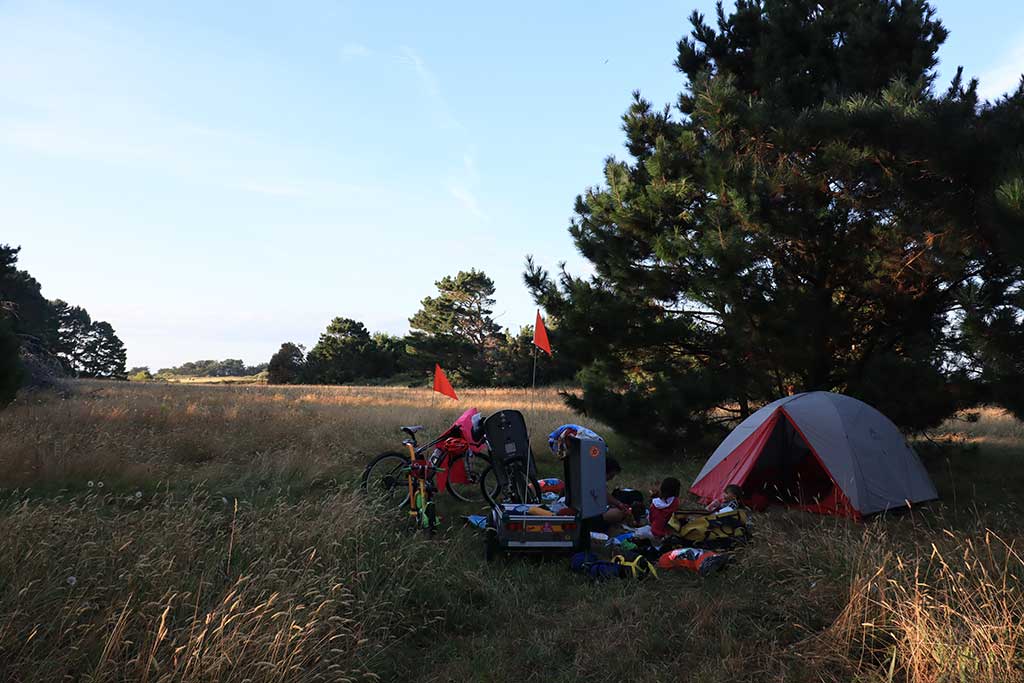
(168,588)
(159,433)
(222,538)
(949,610)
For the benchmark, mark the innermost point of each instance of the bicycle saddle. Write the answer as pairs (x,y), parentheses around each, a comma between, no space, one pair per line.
(411,431)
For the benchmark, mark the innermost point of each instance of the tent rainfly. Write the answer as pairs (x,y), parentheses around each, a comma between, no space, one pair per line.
(821,452)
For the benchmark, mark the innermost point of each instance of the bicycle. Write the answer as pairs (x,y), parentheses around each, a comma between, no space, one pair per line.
(391,475)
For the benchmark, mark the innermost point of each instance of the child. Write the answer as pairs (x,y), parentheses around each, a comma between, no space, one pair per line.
(663,505)
(731,500)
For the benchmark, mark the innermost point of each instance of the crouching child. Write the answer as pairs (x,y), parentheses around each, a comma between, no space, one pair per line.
(664,504)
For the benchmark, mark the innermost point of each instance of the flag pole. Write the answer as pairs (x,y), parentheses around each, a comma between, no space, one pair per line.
(533,400)
(533,393)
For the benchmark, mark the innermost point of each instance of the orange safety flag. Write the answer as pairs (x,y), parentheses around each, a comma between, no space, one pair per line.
(441,383)
(540,335)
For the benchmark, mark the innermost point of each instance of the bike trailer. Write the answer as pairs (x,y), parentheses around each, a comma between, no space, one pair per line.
(515,527)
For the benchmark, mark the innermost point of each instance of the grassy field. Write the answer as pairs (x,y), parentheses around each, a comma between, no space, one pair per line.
(159,532)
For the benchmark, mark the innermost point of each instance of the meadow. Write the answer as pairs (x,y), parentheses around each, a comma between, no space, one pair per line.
(186,532)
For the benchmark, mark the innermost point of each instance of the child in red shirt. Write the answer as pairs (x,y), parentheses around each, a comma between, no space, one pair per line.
(664,504)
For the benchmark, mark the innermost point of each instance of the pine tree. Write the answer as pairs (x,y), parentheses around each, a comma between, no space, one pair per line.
(807,219)
(73,323)
(345,353)
(11,373)
(287,365)
(103,353)
(993,306)
(29,313)
(456,329)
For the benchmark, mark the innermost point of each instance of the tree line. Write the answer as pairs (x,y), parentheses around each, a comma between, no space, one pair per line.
(229,367)
(455,328)
(815,212)
(51,332)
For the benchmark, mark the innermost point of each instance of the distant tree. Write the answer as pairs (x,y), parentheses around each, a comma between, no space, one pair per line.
(392,355)
(514,360)
(809,220)
(73,328)
(230,367)
(56,330)
(87,347)
(135,370)
(103,354)
(30,315)
(345,353)
(456,329)
(11,373)
(139,375)
(287,365)
(250,370)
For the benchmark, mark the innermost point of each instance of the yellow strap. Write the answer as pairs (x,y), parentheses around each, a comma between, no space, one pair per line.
(634,566)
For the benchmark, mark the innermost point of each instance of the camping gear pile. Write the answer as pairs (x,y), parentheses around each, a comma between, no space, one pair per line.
(699,542)
(819,452)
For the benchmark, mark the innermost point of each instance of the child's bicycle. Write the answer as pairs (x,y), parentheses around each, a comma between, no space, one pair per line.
(455,461)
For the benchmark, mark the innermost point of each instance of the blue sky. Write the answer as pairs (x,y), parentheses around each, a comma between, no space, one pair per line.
(216,178)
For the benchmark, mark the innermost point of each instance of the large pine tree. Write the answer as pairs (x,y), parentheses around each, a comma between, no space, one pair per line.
(806,219)
(456,329)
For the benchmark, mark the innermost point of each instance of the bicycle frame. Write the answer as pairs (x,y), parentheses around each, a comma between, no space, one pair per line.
(421,498)
(420,503)
(417,451)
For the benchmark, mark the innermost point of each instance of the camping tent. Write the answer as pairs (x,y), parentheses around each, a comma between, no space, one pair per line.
(821,452)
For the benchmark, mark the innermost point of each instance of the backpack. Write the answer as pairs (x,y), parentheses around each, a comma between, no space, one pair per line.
(597,569)
(639,567)
(593,567)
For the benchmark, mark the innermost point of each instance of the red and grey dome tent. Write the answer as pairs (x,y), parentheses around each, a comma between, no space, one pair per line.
(818,451)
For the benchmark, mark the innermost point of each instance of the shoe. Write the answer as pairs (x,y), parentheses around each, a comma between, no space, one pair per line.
(713,564)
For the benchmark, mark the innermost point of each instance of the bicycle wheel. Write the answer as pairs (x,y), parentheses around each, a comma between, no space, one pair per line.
(469,492)
(386,479)
(520,488)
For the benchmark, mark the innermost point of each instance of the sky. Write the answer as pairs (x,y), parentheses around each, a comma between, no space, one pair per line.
(214,179)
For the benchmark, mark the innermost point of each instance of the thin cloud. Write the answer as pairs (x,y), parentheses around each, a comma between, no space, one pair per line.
(173,150)
(69,139)
(430,86)
(469,164)
(467,199)
(1004,76)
